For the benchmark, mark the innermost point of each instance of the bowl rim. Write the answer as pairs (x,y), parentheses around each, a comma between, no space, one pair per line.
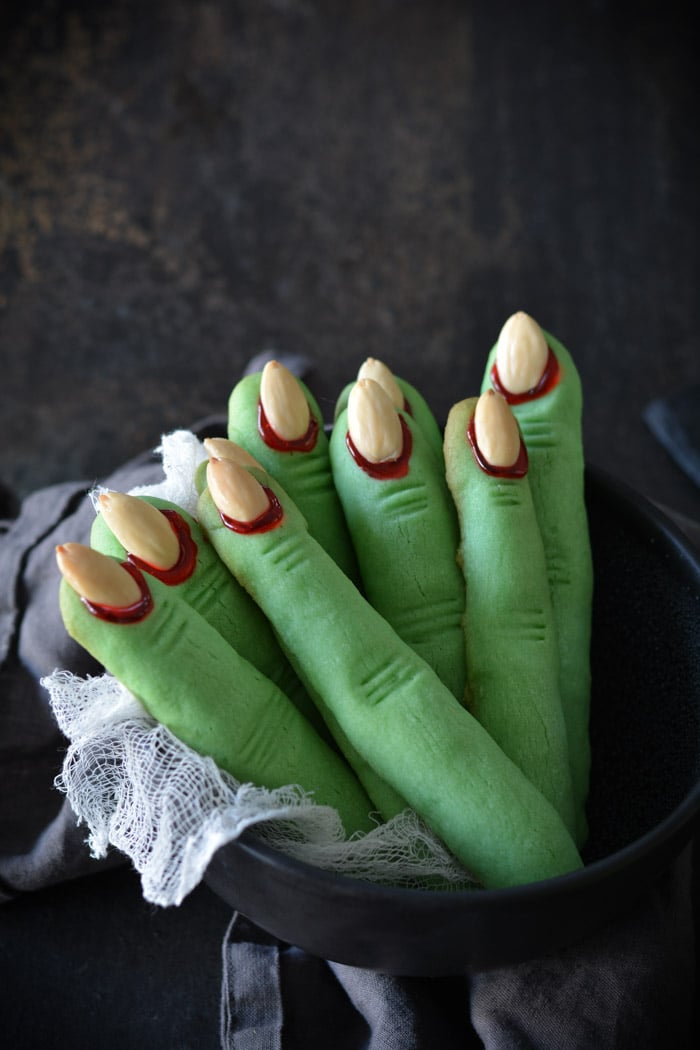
(676,828)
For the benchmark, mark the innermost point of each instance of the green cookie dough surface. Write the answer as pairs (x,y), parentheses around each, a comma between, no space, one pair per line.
(551,428)
(417,408)
(511,642)
(190,680)
(223,603)
(394,710)
(406,536)
(387,801)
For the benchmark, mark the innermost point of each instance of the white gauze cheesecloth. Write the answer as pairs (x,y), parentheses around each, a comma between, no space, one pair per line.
(139,789)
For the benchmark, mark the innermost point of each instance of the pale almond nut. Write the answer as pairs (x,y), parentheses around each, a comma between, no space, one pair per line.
(521,355)
(235,492)
(373,423)
(374,369)
(141,529)
(96,577)
(496,430)
(222,448)
(284,402)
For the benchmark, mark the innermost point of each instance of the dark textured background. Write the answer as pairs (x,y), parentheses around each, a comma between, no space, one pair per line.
(184,184)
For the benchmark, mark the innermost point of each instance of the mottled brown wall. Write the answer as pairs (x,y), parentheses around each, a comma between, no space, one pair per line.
(185,184)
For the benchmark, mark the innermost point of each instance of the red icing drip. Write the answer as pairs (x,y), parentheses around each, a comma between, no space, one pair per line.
(124,614)
(187,559)
(305,443)
(269,519)
(394,468)
(515,470)
(548,380)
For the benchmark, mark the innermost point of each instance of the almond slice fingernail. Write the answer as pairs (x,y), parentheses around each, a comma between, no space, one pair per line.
(521,354)
(96,577)
(284,402)
(222,448)
(141,529)
(497,432)
(375,369)
(374,424)
(236,493)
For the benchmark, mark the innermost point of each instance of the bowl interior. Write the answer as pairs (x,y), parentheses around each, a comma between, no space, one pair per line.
(645,713)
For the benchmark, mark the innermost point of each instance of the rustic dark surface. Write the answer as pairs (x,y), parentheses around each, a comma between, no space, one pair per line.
(185,184)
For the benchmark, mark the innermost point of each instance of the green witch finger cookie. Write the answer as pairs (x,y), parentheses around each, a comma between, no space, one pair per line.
(191,680)
(537,376)
(404,527)
(166,542)
(512,656)
(274,417)
(389,703)
(388,802)
(404,397)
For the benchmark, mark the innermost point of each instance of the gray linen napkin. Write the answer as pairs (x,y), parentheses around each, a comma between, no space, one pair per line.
(277,997)
(40,842)
(627,987)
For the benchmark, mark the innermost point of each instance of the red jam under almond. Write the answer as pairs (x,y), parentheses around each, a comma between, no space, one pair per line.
(305,443)
(187,560)
(548,380)
(124,614)
(265,522)
(393,468)
(515,470)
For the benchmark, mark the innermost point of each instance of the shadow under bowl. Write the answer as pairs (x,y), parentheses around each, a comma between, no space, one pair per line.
(644,797)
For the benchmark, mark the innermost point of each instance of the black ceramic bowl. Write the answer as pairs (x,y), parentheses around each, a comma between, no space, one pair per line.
(644,799)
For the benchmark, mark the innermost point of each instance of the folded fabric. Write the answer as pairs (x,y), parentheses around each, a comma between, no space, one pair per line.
(40,843)
(628,987)
(278,997)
